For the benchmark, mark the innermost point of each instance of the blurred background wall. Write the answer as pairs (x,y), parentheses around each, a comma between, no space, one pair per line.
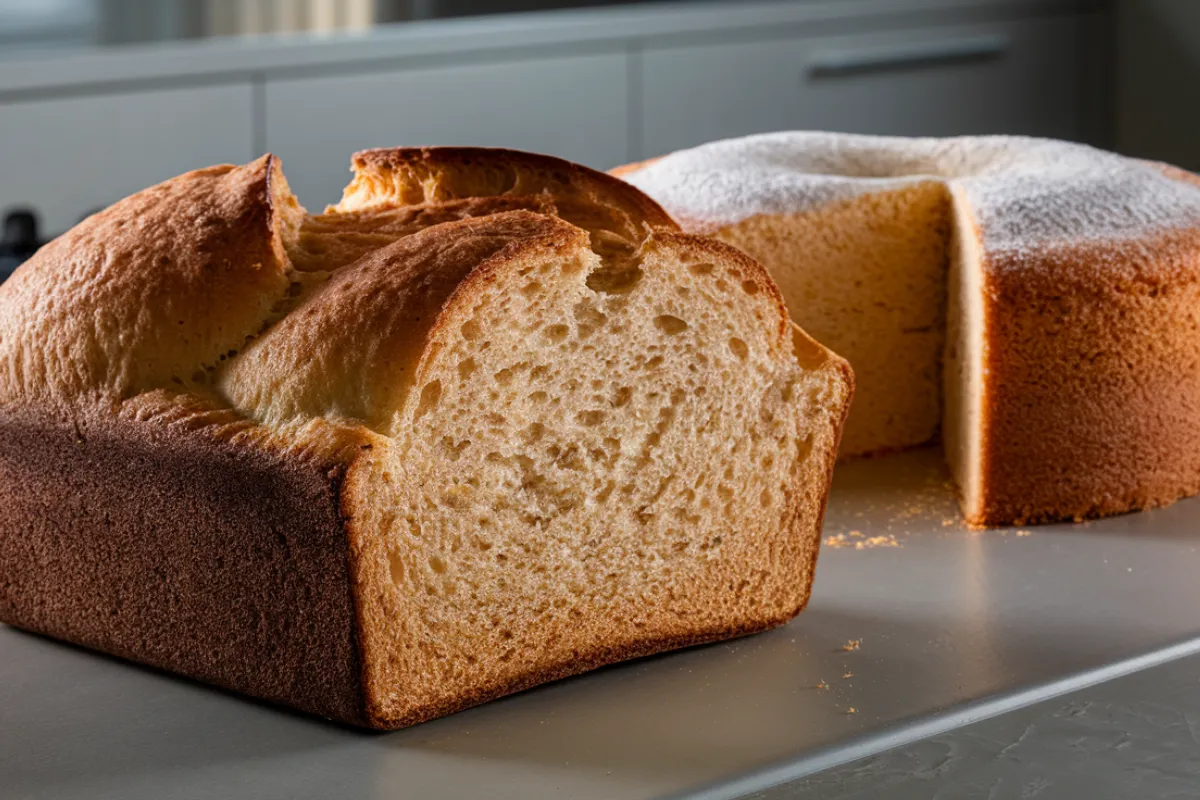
(1157,72)
(99,98)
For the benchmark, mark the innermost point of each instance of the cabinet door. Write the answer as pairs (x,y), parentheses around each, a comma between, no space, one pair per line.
(66,157)
(1014,77)
(575,107)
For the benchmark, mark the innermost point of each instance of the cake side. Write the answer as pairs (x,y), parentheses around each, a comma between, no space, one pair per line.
(185,544)
(1077,433)
(1093,375)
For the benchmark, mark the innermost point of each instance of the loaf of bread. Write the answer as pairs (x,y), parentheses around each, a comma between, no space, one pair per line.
(490,421)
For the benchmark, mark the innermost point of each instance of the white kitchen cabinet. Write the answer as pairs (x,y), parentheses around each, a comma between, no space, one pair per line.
(576,107)
(64,157)
(1020,77)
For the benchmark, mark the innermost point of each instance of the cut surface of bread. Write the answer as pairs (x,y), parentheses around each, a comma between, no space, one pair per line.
(1018,297)
(490,421)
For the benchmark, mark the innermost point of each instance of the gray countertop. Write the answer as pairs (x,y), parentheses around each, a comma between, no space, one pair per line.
(1134,737)
(955,627)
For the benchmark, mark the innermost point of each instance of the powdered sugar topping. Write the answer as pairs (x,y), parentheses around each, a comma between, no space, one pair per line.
(1024,192)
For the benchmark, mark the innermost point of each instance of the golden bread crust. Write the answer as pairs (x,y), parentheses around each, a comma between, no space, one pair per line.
(334,239)
(811,501)
(414,176)
(632,167)
(153,292)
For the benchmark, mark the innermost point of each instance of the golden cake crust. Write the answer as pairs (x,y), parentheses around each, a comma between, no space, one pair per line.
(1097,381)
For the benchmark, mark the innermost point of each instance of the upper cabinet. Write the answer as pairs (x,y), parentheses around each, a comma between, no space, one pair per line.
(1021,77)
(65,157)
(576,107)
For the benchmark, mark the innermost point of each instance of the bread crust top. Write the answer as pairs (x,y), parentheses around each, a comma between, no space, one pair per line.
(214,290)
(416,176)
(351,350)
(151,293)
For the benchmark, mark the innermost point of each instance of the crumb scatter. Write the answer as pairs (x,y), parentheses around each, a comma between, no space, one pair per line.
(860,542)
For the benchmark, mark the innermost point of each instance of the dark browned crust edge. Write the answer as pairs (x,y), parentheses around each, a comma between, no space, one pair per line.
(167,545)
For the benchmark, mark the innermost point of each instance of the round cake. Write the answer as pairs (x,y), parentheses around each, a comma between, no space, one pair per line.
(1033,303)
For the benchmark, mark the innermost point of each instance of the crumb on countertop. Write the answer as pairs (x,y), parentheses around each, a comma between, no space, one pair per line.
(1024,533)
(878,541)
(822,685)
(852,645)
(840,540)
(851,710)
(848,675)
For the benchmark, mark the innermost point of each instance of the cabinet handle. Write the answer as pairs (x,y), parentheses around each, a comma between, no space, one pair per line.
(907,56)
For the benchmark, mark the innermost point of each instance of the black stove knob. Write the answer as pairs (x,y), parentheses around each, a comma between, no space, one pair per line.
(20,233)
(18,239)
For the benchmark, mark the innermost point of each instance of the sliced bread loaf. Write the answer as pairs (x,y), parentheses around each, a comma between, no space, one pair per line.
(490,421)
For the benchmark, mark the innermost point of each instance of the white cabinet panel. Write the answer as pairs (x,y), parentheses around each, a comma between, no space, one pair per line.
(575,107)
(65,157)
(1014,77)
